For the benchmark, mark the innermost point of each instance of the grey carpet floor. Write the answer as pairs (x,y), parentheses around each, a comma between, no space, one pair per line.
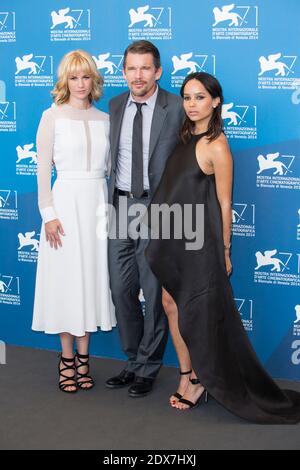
(34,414)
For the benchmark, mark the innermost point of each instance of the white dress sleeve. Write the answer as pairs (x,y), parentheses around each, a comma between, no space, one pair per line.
(44,144)
(108,162)
(108,153)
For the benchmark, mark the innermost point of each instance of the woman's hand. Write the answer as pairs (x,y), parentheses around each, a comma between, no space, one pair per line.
(53,229)
(228,262)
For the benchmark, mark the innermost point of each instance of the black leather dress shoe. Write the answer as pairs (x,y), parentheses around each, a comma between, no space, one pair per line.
(140,387)
(122,380)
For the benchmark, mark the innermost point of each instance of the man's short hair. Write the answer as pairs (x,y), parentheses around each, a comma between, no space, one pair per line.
(143,47)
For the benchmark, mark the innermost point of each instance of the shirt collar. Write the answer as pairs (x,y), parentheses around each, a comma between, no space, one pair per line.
(150,101)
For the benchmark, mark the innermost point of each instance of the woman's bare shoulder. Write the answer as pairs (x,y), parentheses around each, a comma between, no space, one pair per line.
(220,144)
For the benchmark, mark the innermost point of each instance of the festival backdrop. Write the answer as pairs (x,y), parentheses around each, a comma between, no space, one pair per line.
(252,48)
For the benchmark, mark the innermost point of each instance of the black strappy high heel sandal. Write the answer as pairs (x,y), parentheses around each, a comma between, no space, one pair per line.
(69,364)
(176,394)
(83,360)
(204,395)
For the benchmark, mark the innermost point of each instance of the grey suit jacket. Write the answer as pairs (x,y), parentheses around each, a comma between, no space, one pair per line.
(167,120)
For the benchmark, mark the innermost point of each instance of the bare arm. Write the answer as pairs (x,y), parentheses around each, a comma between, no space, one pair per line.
(222,163)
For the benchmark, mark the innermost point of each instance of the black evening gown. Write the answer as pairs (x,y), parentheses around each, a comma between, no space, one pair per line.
(209,321)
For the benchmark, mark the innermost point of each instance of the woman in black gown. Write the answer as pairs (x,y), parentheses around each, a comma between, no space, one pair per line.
(214,351)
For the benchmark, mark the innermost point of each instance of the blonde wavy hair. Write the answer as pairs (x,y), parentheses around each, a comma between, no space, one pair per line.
(72,63)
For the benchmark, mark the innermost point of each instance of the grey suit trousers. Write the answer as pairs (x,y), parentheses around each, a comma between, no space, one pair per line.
(143,334)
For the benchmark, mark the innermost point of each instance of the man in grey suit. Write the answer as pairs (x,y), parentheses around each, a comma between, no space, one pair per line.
(144,130)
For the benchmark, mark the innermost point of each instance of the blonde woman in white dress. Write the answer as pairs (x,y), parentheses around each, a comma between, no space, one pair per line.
(72,296)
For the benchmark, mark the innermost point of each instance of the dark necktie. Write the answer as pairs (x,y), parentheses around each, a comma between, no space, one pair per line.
(137,173)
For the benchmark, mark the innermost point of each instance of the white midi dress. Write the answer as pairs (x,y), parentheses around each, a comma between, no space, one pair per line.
(72,291)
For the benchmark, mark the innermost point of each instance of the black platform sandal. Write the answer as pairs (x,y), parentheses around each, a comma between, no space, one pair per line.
(176,394)
(82,363)
(69,364)
(191,404)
